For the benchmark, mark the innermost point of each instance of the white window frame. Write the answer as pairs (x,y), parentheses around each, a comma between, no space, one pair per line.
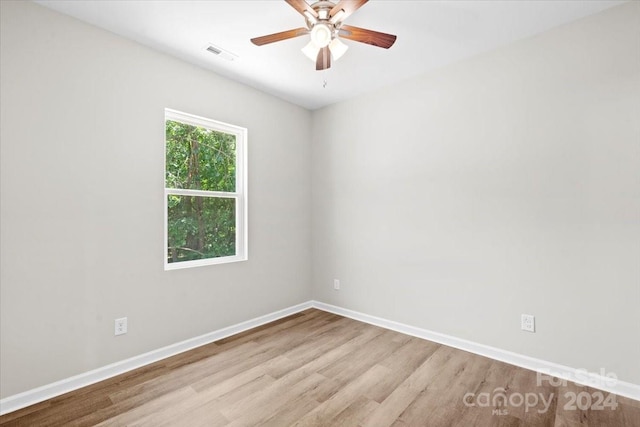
(240,195)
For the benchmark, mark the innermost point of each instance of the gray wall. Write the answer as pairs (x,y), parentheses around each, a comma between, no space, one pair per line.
(82,119)
(504,184)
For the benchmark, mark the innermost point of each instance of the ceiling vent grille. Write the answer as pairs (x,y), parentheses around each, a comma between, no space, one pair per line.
(218,51)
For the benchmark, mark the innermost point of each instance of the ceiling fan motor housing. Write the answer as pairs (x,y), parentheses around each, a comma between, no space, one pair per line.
(322,9)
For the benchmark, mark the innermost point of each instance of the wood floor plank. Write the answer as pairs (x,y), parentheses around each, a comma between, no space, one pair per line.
(293,321)
(215,390)
(153,406)
(258,408)
(323,340)
(230,365)
(358,362)
(128,398)
(207,404)
(319,369)
(494,383)
(402,363)
(59,414)
(263,398)
(183,375)
(355,413)
(192,356)
(341,346)
(444,394)
(291,411)
(323,413)
(569,417)
(395,404)
(543,413)
(202,416)
(29,410)
(94,398)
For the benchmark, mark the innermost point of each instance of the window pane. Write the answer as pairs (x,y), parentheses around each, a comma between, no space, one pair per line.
(199,158)
(200,227)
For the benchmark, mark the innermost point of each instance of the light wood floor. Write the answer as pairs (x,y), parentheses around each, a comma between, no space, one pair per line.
(319,369)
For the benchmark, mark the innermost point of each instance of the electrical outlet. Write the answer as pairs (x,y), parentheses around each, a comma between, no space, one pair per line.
(121,326)
(528,323)
(336,284)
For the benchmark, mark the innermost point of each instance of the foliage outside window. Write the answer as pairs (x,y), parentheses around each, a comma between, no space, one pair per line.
(205,191)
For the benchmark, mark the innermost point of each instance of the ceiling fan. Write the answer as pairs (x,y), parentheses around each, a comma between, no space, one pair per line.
(324,24)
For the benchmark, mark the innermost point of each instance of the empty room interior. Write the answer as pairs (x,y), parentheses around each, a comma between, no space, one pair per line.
(329,213)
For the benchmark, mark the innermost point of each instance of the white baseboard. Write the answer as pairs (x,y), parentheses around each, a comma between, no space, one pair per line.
(30,397)
(579,376)
(36,395)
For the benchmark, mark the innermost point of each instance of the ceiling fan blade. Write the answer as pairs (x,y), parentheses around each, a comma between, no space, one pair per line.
(349,6)
(371,37)
(302,6)
(324,59)
(276,37)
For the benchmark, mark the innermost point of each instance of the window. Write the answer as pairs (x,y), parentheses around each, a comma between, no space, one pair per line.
(205,191)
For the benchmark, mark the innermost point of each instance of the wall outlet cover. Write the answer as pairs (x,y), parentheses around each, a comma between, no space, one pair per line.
(121,326)
(528,323)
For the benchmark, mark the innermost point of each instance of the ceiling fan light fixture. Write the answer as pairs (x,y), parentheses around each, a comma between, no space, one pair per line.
(321,35)
(311,51)
(310,17)
(337,17)
(337,48)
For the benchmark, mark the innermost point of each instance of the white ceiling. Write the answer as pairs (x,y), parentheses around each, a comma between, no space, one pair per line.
(430,34)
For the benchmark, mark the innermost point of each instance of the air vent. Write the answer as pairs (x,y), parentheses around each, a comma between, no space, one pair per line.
(221,53)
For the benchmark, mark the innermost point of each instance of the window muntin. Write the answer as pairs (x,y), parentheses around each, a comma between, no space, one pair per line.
(205,191)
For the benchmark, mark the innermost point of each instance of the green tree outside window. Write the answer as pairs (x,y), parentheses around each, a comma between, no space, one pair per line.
(200,225)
